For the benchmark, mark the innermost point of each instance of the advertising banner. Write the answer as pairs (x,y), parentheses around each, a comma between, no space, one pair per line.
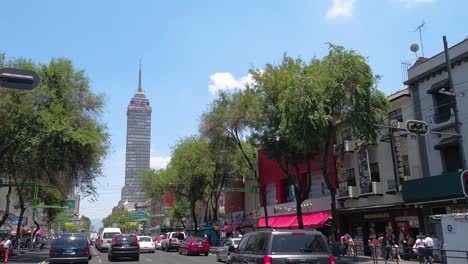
(364,170)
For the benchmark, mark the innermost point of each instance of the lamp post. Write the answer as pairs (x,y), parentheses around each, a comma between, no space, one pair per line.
(18,79)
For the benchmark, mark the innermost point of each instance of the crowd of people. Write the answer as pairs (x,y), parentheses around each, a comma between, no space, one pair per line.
(425,248)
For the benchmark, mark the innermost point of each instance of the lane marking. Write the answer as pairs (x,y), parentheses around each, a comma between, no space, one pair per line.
(150,260)
(100,261)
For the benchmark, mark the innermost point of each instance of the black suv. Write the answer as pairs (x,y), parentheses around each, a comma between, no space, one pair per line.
(274,247)
(70,248)
(124,246)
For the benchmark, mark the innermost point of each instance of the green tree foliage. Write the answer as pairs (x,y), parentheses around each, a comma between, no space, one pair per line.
(53,134)
(119,216)
(190,169)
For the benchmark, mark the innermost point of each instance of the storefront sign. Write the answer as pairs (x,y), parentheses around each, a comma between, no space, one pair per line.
(374,216)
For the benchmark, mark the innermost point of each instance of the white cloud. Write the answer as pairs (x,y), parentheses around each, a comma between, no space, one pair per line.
(341,8)
(159,162)
(412,3)
(222,81)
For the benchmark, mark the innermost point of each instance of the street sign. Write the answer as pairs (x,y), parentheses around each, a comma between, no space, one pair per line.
(136,215)
(418,127)
(68,224)
(19,79)
(71,204)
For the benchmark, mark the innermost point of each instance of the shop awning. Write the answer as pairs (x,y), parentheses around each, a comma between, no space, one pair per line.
(314,220)
(284,221)
(433,188)
(310,220)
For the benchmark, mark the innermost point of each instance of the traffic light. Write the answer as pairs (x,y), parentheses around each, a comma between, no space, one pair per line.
(417,127)
(464,182)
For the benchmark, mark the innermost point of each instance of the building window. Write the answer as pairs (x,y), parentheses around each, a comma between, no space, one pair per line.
(350,177)
(396,115)
(374,170)
(451,158)
(406,167)
(443,104)
(346,135)
(288,192)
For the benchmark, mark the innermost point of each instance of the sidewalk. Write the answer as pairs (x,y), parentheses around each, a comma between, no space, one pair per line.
(369,260)
(35,256)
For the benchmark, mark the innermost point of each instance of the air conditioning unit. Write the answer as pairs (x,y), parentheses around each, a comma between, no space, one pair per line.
(349,145)
(376,190)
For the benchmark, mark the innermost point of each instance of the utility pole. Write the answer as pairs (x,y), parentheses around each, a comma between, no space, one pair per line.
(455,108)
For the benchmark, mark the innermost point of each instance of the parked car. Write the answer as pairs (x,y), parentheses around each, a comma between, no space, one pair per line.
(146,244)
(157,241)
(222,253)
(106,237)
(194,245)
(172,241)
(124,246)
(70,248)
(282,247)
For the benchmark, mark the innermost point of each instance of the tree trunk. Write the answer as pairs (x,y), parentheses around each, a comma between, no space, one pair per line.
(214,207)
(300,223)
(20,219)
(182,222)
(194,216)
(333,235)
(7,207)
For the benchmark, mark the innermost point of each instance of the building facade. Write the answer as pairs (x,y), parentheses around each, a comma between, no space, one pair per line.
(442,103)
(138,146)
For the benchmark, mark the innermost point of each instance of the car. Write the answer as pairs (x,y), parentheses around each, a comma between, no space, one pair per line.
(124,246)
(172,241)
(222,253)
(106,237)
(194,245)
(157,241)
(70,248)
(146,244)
(292,246)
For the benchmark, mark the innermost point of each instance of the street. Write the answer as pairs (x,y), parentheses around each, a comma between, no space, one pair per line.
(159,257)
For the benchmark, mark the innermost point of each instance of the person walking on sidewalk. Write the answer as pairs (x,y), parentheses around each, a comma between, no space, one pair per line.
(6,249)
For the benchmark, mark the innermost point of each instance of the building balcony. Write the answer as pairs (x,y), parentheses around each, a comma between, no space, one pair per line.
(443,120)
(351,192)
(372,189)
(349,146)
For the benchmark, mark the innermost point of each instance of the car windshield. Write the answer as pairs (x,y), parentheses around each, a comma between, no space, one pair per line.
(144,239)
(70,241)
(298,243)
(110,234)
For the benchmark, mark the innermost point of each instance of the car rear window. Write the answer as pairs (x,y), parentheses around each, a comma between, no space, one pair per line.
(179,236)
(122,238)
(298,243)
(236,241)
(145,239)
(110,234)
(70,241)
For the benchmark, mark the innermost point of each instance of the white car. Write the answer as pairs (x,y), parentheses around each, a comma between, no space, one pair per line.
(223,254)
(146,244)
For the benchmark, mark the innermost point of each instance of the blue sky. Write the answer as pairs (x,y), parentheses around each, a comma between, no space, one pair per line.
(191,48)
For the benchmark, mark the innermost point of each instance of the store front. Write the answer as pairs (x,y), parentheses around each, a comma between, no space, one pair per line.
(363,225)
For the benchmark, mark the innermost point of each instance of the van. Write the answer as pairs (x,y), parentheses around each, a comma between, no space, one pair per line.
(106,237)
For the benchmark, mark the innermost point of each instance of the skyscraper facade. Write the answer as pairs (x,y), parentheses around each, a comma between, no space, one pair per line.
(138,146)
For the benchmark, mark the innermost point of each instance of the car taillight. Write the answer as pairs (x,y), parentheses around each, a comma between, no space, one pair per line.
(136,239)
(192,244)
(86,250)
(51,251)
(207,244)
(170,240)
(332,259)
(267,260)
(114,240)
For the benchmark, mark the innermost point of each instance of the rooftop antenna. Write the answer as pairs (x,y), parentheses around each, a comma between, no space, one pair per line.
(419,28)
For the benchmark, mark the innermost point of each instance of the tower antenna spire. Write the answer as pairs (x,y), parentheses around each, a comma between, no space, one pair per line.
(140,90)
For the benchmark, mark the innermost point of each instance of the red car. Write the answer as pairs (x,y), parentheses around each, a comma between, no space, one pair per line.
(194,245)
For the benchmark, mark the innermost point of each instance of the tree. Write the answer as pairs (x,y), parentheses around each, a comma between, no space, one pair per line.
(339,89)
(190,168)
(85,225)
(119,216)
(53,134)
(231,116)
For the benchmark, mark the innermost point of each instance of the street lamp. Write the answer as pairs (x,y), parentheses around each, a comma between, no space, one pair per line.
(19,79)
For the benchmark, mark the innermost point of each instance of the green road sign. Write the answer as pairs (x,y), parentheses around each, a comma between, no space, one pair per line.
(71,204)
(136,215)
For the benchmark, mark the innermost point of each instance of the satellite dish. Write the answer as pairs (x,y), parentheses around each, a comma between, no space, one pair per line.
(414,47)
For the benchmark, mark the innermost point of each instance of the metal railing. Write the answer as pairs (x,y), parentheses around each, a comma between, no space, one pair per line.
(379,254)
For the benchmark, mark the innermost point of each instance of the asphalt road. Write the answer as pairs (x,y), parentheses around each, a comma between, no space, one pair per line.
(159,257)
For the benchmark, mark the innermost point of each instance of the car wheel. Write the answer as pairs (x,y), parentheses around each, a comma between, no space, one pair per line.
(109,258)
(137,258)
(180,251)
(207,253)
(217,257)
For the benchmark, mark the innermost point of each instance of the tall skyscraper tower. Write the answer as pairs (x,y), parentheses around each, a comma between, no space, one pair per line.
(138,146)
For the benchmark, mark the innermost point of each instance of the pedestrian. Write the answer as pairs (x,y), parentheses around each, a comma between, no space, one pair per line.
(429,243)
(352,246)
(344,244)
(6,249)
(1,249)
(419,247)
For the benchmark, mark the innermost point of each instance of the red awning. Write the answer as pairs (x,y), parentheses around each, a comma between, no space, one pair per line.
(313,220)
(284,221)
(261,221)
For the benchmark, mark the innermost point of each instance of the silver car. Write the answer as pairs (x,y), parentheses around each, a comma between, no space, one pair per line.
(222,253)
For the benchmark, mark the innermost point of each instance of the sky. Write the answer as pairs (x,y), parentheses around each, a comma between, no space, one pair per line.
(192,49)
